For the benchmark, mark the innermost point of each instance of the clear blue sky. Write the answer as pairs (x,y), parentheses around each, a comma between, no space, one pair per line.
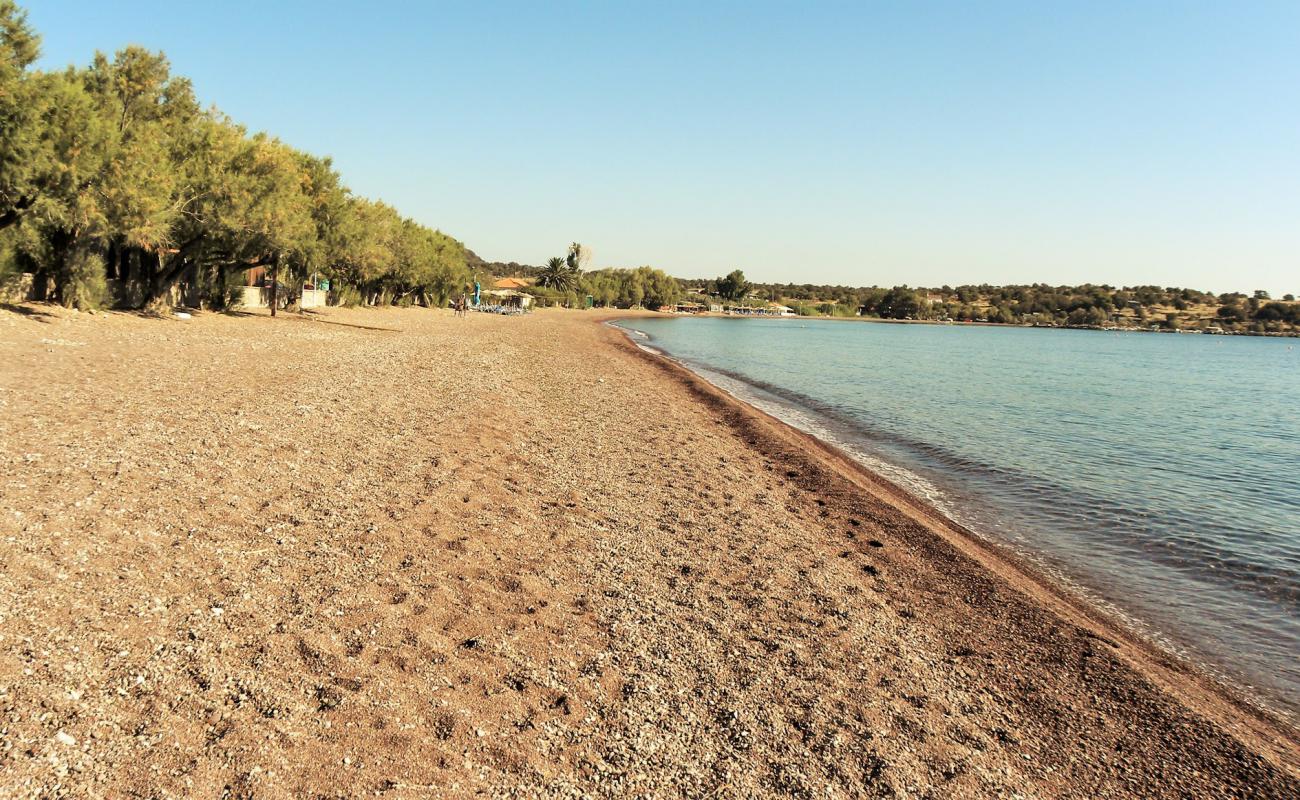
(859,143)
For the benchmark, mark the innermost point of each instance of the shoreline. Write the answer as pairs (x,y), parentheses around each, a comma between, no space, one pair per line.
(1219,700)
(975,324)
(394,551)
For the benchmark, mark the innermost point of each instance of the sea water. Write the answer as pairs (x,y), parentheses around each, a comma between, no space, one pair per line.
(1156,474)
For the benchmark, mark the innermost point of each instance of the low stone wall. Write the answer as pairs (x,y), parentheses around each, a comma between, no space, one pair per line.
(17,288)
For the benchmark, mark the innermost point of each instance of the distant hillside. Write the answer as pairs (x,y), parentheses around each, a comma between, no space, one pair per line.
(1093,306)
(500,269)
(1086,306)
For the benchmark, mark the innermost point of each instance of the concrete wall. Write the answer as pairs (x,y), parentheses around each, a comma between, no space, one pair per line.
(258,297)
(255,297)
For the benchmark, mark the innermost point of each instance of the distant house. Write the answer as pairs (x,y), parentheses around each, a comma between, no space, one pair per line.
(711,301)
(768,310)
(314,295)
(507,298)
(257,291)
(513,283)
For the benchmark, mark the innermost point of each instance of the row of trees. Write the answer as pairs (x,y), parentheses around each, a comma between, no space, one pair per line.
(115,186)
(563,281)
(625,288)
(1087,305)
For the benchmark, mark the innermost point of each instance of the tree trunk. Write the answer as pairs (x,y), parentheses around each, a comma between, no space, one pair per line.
(41,284)
(275,283)
(223,299)
(151,275)
(157,279)
(160,266)
(60,247)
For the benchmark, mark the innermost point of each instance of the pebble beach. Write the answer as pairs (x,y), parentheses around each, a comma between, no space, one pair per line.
(397,553)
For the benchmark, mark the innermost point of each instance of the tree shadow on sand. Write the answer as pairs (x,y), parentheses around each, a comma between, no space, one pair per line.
(28,310)
(308,316)
(311,316)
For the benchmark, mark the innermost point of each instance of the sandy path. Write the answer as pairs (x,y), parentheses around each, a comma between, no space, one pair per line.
(394,552)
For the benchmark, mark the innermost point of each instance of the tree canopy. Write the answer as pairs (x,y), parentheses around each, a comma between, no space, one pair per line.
(733,285)
(117,187)
(558,274)
(624,288)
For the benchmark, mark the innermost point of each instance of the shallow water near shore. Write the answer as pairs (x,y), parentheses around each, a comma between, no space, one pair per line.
(1159,475)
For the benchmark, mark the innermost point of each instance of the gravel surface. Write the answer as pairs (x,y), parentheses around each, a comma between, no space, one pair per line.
(394,553)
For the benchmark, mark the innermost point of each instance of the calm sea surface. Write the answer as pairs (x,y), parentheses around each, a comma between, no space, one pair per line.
(1159,474)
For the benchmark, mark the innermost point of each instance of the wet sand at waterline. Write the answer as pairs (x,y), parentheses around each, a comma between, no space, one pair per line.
(401,554)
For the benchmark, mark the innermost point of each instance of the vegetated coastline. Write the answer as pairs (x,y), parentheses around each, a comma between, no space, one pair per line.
(220,215)
(1089,306)
(1187,683)
(978,324)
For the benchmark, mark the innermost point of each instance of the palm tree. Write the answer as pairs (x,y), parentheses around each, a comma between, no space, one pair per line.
(557,275)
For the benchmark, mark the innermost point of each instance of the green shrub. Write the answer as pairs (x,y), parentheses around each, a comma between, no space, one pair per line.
(347,296)
(83,284)
(8,260)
